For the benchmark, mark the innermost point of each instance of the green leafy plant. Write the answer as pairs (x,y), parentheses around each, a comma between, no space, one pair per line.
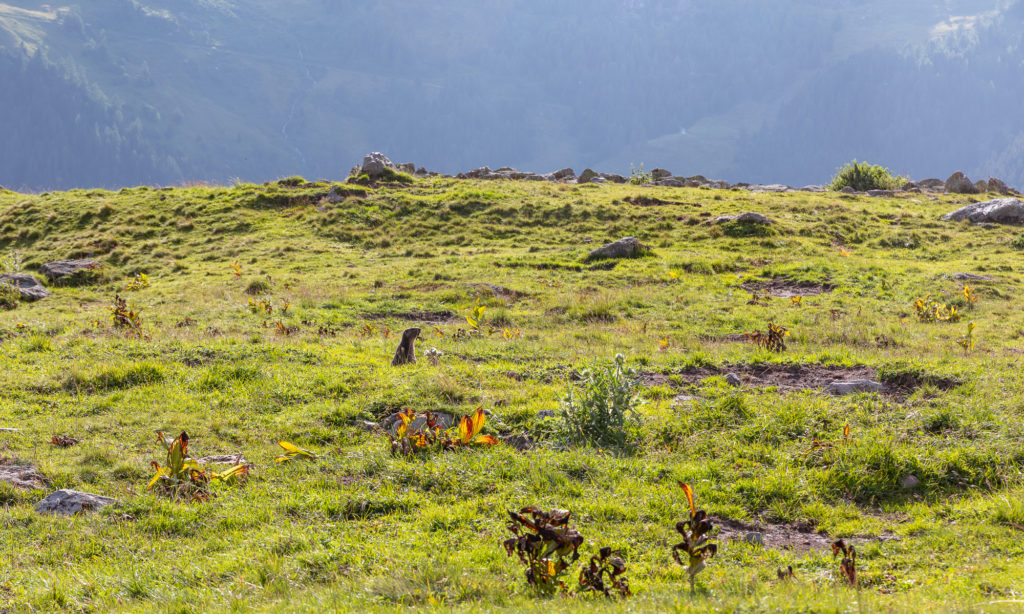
(291,452)
(1018,243)
(601,410)
(545,544)
(773,340)
(637,176)
(928,310)
(126,318)
(696,539)
(260,307)
(605,574)
(12,262)
(848,564)
(475,317)
(862,177)
(182,477)
(967,340)
(9,297)
(970,296)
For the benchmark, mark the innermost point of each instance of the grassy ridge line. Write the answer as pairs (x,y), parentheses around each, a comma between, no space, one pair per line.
(359,529)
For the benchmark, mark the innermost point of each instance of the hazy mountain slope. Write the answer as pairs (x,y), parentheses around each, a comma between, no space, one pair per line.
(214,90)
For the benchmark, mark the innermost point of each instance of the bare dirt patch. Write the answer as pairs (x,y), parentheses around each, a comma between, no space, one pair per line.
(784,287)
(21,475)
(796,537)
(417,315)
(784,377)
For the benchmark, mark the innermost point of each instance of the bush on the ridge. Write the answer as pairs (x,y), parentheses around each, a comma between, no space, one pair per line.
(862,177)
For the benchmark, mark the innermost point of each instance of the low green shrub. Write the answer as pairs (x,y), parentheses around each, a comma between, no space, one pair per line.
(862,177)
(1018,243)
(9,297)
(601,410)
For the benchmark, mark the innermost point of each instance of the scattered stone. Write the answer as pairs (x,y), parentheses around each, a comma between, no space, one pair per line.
(628,247)
(407,167)
(842,388)
(64,268)
(813,188)
(224,459)
(22,476)
(881,193)
(546,413)
(565,173)
(521,442)
(72,502)
(931,184)
(971,277)
(997,211)
(392,422)
(599,179)
(744,218)
(614,178)
(958,183)
(910,482)
(733,380)
(586,176)
(848,190)
(659,173)
(335,196)
(375,163)
(406,352)
(366,425)
(31,289)
(671,182)
(755,538)
(997,186)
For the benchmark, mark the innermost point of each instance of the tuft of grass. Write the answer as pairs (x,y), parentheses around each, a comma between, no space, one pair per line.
(117,377)
(862,176)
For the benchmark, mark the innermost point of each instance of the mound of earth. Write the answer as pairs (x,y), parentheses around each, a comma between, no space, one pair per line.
(784,287)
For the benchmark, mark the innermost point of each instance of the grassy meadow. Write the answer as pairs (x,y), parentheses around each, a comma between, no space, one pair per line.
(361,529)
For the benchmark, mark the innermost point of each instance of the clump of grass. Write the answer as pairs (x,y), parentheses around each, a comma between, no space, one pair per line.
(1018,243)
(257,286)
(862,176)
(601,410)
(116,378)
(9,297)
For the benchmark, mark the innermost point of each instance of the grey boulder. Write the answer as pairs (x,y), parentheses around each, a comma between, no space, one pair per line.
(31,289)
(63,268)
(375,163)
(958,183)
(628,247)
(842,388)
(72,502)
(744,218)
(997,211)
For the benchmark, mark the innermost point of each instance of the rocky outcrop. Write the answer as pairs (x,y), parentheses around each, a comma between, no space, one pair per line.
(63,269)
(375,163)
(627,247)
(958,183)
(997,211)
(744,218)
(31,289)
(843,388)
(69,502)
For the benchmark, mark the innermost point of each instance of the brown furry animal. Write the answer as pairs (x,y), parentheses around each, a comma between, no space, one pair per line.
(406,352)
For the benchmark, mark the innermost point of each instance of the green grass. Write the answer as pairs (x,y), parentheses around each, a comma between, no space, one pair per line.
(358,529)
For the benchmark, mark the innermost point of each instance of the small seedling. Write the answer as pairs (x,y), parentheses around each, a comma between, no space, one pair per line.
(469,430)
(261,306)
(138,282)
(796,301)
(763,298)
(663,343)
(970,296)
(511,333)
(848,565)
(236,269)
(475,318)
(967,341)
(285,304)
(604,574)
(291,452)
(125,317)
(545,544)
(695,532)
(774,340)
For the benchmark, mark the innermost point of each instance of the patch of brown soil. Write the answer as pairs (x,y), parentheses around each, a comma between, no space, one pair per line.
(417,315)
(650,201)
(21,476)
(794,377)
(796,537)
(783,287)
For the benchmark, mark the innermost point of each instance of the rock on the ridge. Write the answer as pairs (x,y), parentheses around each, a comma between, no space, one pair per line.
(997,211)
(64,268)
(374,164)
(31,289)
(997,186)
(72,502)
(565,173)
(659,173)
(971,277)
(958,183)
(627,247)
(842,388)
(586,176)
(910,482)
